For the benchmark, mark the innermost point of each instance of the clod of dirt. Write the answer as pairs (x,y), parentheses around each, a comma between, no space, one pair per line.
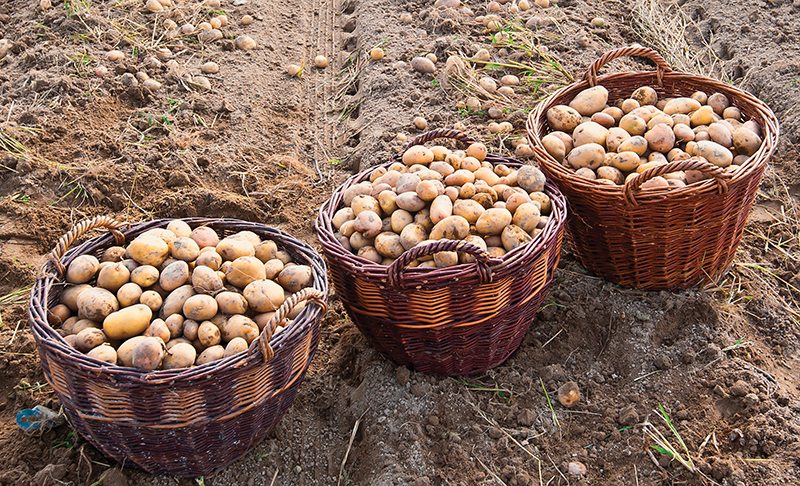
(402,375)
(113,477)
(209,35)
(187,29)
(129,79)
(740,388)
(628,416)
(245,42)
(568,393)
(423,65)
(406,18)
(50,475)
(576,468)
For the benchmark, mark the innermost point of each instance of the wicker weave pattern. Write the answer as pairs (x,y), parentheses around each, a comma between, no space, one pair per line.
(657,239)
(450,321)
(190,422)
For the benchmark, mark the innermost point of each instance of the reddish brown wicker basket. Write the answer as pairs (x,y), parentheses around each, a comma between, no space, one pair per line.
(190,422)
(451,321)
(657,239)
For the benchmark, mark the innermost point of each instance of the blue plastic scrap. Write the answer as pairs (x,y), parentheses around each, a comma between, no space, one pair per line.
(38,418)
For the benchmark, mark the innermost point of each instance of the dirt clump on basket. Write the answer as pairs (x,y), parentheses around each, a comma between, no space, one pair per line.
(263,146)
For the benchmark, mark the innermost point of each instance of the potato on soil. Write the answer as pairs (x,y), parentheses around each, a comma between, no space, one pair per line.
(209,355)
(173,303)
(148,250)
(128,322)
(89,339)
(179,355)
(295,278)
(264,295)
(82,269)
(148,353)
(184,248)
(104,353)
(244,270)
(200,307)
(235,346)
(96,304)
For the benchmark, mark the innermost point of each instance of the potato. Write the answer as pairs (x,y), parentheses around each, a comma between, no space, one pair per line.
(96,304)
(412,235)
(112,276)
(459,178)
(209,355)
(629,105)
(268,250)
(444,259)
(173,303)
(660,138)
(589,132)
(633,124)
(179,355)
(703,116)
(244,270)
(655,183)
(89,338)
(231,248)
(418,154)
(148,353)
(295,278)
(492,221)
(206,281)
(714,153)
(158,328)
(190,328)
(718,102)
(200,307)
(180,228)
(586,173)
(264,295)
(681,105)
(531,178)
(400,219)
(69,296)
(746,141)
(129,294)
(428,190)
(451,228)
(175,325)
(721,134)
(645,95)
(82,269)
(590,101)
(563,118)
(242,327)
(231,303)
(526,216)
(636,144)
(113,254)
(208,334)
(513,237)
(554,146)
(357,241)
(128,322)
(235,346)
(175,275)
(590,155)
(387,201)
(104,353)
(410,201)
(468,209)
(58,314)
(204,236)
(151,299)
(275,266)
(368,223)
(81,324)
(361,189)
(442,168)
(125,350)
(144,275)
(612,174)
(148,250)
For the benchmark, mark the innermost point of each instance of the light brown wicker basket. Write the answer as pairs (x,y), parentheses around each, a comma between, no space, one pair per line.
(657,239)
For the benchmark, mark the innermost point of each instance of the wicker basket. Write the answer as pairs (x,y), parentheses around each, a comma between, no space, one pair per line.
(657,239)
(450,321)
(190,422)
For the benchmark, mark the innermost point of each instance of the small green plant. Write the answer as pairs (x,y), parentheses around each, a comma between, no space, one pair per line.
(662,444)
(68,442)
(503,393)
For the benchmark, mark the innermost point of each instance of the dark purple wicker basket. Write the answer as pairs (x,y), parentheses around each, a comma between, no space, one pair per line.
(190,422)
(449,321)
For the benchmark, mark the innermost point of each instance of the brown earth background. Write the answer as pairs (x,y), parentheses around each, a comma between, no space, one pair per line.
(263,146)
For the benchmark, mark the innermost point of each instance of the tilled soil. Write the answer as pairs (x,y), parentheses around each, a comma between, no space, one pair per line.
(262,146)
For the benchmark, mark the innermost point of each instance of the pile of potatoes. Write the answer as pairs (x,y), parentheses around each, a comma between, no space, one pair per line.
(613,144)
(435,194)
(176,297)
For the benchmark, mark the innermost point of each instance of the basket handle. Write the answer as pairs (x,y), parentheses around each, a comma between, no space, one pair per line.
(718,173)
(308,293)
(434,134)
(661,65)
(76,232)
(485,274)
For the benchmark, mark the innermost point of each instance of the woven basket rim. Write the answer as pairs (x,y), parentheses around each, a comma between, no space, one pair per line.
(537,123)
(419,276)
(43,332)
